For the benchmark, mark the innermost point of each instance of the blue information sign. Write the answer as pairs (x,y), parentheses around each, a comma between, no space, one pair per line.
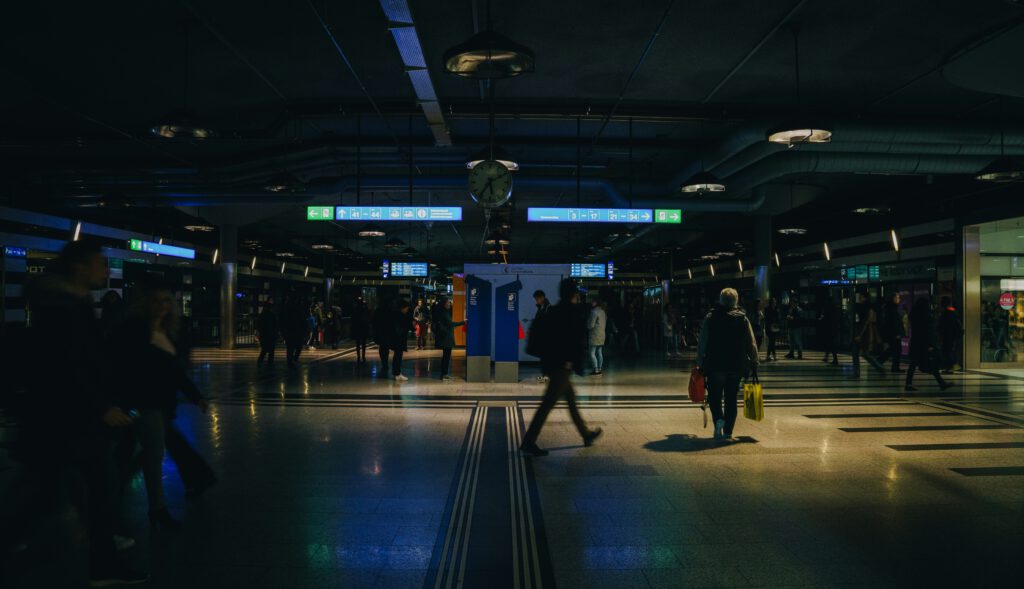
(611,270)
(506,322)
(478,316)
(587,270)
(398,213)
(548,215)
(409,269)
(137,245)
(15,252)
(385,269)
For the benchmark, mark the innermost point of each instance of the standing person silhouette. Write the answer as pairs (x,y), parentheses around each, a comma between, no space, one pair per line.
(564,348)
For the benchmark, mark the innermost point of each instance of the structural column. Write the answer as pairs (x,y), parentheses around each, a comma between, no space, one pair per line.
(228,284)
(968,276)
(762,257)
(328,280)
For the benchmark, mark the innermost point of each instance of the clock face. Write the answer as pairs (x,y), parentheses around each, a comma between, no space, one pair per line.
(490,184)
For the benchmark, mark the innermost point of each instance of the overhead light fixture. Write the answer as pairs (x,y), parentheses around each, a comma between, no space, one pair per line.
(322,246)
(793,231)
(498,238)
(409,251)
(741,265)
(689,273)
(199,228)
(182,124)
(371,230)
(777,263)
(828,253)
(488,56)
(394,243)
(284,183)
(216,254)
(895,240)
(252,266)
(1003,170)
(306,273)
(78,231)
(282,267)
(498,154)
(251,243)
(712,268)
(877,210)
(285,254)
(702,182)
(790,136)
(710,257)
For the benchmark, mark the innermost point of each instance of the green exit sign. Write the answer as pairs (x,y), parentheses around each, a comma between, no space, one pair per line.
(135,245)
(668,216)
(319,213)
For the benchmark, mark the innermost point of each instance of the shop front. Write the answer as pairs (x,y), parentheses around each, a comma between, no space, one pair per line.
(994,293)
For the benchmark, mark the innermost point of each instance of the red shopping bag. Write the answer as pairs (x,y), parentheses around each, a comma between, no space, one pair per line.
(697,388)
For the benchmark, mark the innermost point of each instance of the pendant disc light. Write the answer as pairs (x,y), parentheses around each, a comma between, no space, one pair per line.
(801,131)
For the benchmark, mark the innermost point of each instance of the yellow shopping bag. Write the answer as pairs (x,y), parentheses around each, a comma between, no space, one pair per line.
(753,400)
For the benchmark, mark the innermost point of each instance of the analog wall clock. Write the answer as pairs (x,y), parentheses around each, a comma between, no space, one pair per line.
(490,184)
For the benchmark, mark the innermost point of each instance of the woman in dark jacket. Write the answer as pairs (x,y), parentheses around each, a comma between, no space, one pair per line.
(153,373)
(444,334)
(922,344)
(773,326)
(360,329)
(401,325)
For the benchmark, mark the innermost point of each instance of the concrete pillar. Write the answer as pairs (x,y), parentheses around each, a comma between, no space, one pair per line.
(228,284)
(328,280)
(968,277)
(763,259)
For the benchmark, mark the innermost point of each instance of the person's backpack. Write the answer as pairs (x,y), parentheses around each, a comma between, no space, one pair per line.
(538,341)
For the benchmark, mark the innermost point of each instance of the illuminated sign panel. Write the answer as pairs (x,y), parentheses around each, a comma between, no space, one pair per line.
(587,270)
(409,269)
(611,270)
(550,215)
(137,245)
(397,213)
(15,252)
(673,216)
(319,213)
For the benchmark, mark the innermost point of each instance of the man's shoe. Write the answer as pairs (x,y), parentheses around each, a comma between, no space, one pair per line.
(588,440)
(446,378)
(532,449)
(117,574)
(719,427)
(401,378)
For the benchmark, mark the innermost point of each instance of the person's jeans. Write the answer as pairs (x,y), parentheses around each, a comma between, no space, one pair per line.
(722,388)
(150,430)
(446,361)
(383,350)
(772,336)
(559,385)
(670,345)
(796,342)
(597,357)
(361,348)
(396,363)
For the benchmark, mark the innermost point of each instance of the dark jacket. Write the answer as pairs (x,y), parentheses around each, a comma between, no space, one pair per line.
(295,327)
(566,327)
(444,328)
(892,322)
(382,325)
(772,321)
(727,343)
(950,328)
(266,323)
(922,335)
(147,376)
(401,325)
(829,322)
(360,322)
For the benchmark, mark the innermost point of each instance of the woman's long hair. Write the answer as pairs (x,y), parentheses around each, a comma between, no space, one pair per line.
(140,305)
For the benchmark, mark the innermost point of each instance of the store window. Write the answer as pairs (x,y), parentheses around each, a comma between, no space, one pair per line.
(1002,292)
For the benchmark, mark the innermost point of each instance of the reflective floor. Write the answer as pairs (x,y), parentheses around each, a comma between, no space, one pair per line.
(333,477)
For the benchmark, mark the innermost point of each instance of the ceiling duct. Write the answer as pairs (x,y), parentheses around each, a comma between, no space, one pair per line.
(403,29)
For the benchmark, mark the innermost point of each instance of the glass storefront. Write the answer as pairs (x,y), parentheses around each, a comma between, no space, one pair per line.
(1001,269)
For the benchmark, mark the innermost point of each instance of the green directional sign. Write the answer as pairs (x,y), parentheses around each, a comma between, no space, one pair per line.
(319,213)
(674,216)
(135,245)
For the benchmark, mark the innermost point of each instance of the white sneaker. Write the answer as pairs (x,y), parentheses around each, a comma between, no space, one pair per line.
(401,378)
(122,543)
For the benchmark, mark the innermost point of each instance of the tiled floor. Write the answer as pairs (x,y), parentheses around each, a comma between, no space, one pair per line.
(331,477)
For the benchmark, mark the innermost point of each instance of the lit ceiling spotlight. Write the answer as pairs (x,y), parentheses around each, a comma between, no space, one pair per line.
(689,273)
(791,137)
(777,263)
(160,241)
(252,266)
(828,253)
(199,228)
(285,255)
(741,265)
(1003,170)
(371,230)
(488,56)
(282,267)
(497,238)
(251,243)
(725,254)
(702,182)
(182,124)
(322,246)
(895,240)
(284,183)
(499,155)
(879,210)
(306,273)
(709,257)
(216,255)
(793,231)
(78,231)
(712,268)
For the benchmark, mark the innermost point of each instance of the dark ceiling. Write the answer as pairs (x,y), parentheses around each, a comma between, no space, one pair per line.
(918,91)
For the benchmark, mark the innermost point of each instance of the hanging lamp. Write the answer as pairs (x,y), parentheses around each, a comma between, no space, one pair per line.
(703,181)
(1003,169)
(183,122)
(499,155)
(799,131)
